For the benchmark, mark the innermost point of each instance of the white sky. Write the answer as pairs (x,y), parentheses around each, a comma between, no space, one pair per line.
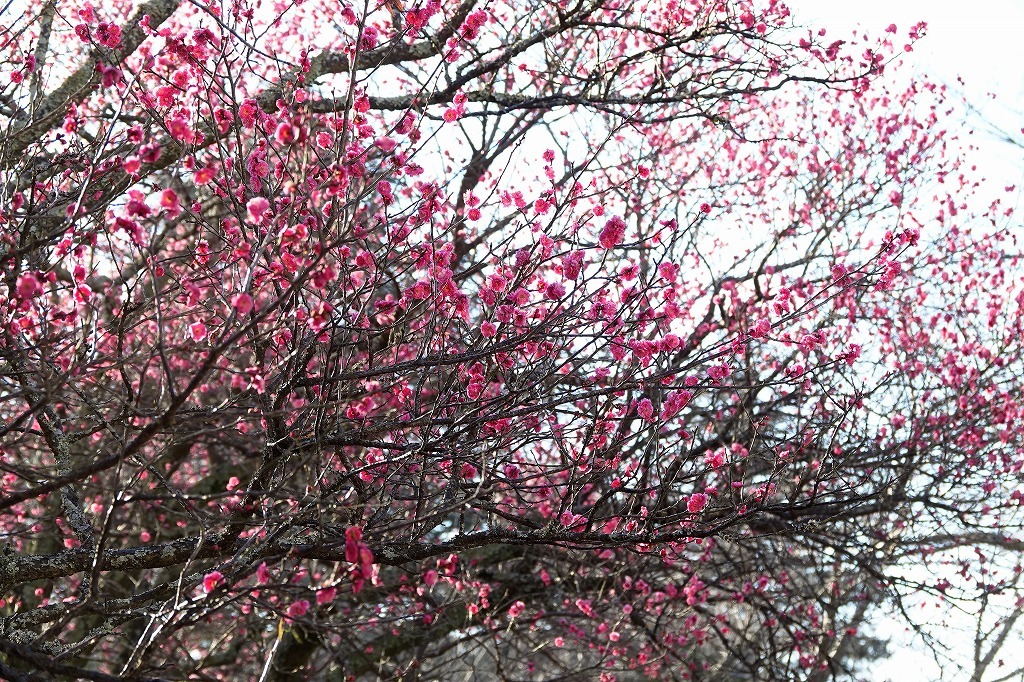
(982,42)
(979,40)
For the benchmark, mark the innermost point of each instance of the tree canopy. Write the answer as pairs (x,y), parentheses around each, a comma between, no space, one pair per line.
(562,339)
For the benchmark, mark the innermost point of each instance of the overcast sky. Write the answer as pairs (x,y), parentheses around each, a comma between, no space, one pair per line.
(981,41)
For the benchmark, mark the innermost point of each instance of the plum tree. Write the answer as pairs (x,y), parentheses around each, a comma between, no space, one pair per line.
(579,339)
